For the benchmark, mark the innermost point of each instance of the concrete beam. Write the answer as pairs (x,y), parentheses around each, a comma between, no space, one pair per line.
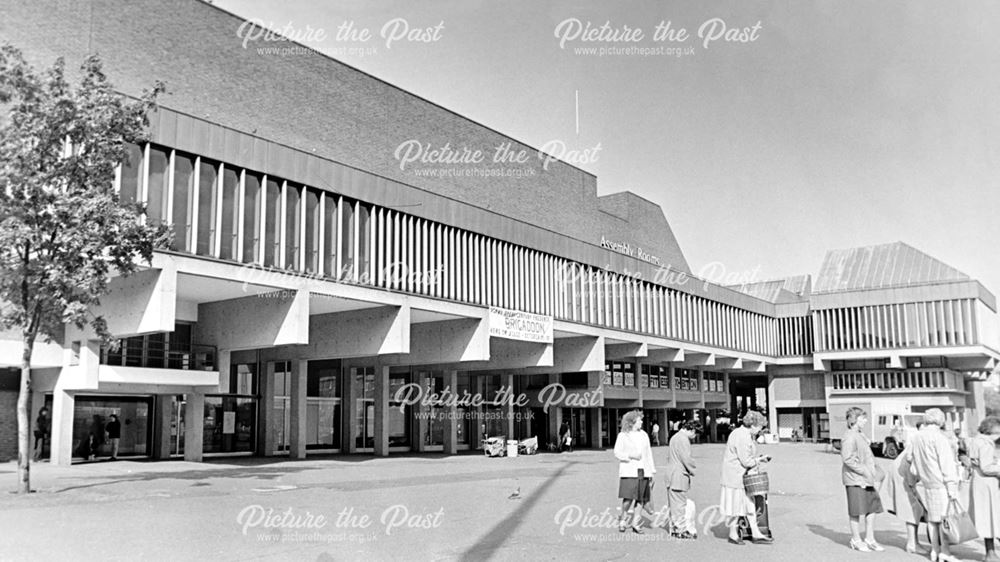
(668,355)
(448,341)
(366,332)
(573,355)
(619,351)
(698,360)
(252,322)
(512,354)
(729,363)
(141,303)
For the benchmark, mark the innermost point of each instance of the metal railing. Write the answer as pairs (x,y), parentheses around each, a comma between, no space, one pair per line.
(152,353)
(897,380)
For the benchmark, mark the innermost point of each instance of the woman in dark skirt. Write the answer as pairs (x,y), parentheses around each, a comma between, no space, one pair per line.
(635,469)
(860,477)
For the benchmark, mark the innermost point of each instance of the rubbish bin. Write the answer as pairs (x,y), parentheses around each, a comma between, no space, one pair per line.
(512,447)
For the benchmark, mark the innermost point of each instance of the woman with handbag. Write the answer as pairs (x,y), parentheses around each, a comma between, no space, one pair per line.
(984,496)
(860,475)
(934,463)
(635,469)
(741,457)
(899,497)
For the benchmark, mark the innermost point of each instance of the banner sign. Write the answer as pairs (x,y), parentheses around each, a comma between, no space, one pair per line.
(517,325)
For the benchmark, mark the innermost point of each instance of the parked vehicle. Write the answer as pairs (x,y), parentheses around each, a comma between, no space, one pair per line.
(891,421)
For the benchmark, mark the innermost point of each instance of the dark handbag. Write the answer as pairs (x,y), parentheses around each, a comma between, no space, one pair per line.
(957,525)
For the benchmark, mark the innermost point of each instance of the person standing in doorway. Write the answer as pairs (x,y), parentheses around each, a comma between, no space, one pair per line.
(114,435)
(42,429)
(680,470)
(656,434)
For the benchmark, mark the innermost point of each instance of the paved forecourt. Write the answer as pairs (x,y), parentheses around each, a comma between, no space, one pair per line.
(412,508)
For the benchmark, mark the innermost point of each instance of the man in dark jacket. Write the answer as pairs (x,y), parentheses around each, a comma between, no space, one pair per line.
(680,470)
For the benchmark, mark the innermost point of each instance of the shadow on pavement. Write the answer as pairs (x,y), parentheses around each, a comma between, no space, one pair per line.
(486,547)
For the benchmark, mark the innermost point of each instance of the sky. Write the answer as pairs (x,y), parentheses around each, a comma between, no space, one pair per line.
(838,125)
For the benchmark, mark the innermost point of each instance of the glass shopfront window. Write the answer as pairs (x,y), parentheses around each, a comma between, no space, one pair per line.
(323,405)
(399,421)
(466,427)
(363,388)
(230,424)
(91,415)
(231,419)
(433,431)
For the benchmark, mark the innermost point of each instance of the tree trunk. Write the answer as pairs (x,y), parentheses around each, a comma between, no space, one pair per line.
(23,421)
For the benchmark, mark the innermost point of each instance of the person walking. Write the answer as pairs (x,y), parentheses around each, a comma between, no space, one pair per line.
(114,434)
(741,457)
(679,471)
(936,468)
(43,428)
(635,469)
(656,434)
(859,475)
(565,437)
(984,489)
(899,497)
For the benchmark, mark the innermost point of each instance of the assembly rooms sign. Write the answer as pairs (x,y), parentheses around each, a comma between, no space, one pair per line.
(630,250)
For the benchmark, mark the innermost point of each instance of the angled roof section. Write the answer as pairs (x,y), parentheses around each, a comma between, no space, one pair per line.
(882,266)
(779,291)
(642,223)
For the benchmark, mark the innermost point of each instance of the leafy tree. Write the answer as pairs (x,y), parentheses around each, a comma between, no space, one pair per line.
(63,230)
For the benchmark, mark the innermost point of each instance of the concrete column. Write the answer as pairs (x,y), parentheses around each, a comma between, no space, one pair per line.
(224,366)
(595,427)
(163,414)
(554,416)
(701,385)
(350,408)
(772,412)
(450,412)
(297,404)
(713,426)
(509,383)
(381,409)
(420,422)
(975,406)
(267,415)
(62,428)
(664,430)
(673,384)
(194,427)
(476,441)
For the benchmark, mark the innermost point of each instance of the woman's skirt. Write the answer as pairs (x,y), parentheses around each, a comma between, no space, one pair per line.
(862,501)
(935,502)
(634,488)
(735,502)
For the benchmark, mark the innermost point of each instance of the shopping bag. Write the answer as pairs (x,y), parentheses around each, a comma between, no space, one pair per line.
(957,526)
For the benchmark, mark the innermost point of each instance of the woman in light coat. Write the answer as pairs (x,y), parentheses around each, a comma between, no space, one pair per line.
(899,496)
(740,457)
(984,494)
(635,469)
